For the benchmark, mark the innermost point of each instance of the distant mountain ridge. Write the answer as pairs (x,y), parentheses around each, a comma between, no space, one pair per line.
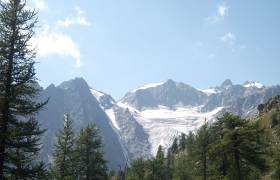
(148,116)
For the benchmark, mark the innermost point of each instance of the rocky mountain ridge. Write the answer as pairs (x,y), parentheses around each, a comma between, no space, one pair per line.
(148,116)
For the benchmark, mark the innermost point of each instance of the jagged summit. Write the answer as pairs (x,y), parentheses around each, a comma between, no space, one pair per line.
(51,86)
(106,101)
(253,84)
(168,82)
(227,83)
(168,93)
(78,82)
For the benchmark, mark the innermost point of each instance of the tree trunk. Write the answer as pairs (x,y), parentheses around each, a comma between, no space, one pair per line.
(237,165)
(204,166)
(3,140)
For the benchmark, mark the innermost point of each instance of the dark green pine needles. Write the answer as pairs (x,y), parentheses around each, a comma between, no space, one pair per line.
(78,157)
(19,130)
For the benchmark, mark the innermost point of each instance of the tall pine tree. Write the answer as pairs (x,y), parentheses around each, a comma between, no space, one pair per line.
(90,163)
(201,151)
(240,143)
(64,164)
(19,130)
(137,170)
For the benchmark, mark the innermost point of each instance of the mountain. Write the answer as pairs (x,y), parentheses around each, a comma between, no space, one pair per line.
(74,97)
(168,94)
(148,116)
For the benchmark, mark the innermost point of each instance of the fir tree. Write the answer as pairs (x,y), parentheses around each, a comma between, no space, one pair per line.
(160,153)
(19,130)
(90,163)
(190,143)
(174,147)
(183,168)
(137,170)
(169,165)
(182,142)
(159,164)
(241,143)
(64,161)
(202,146)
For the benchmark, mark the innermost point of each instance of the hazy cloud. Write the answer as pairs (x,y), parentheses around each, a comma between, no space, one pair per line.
(40,4)
(221,12)
(79,18)
(51,43)
(228,38)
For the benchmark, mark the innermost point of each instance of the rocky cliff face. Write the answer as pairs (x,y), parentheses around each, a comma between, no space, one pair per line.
(74,97)
(148,116)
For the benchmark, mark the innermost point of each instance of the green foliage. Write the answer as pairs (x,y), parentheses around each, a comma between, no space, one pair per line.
(89,161)
(241,146)
(78,157)
(182,142)
(174,147)
(231,148)
(160,153)
(137,170)
(183,168)
(269,120)
(19,130)
(202,151)
(64,164)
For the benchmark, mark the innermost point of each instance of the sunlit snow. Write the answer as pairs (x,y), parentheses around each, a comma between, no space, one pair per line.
(111,114)
(209,91)
(96,94)
(147,86)
(164,124)
(253,84)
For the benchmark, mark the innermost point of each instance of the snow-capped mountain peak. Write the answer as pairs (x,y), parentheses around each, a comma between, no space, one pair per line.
(226,84)
(151,115)
(148,86)
(105,100)
(253,84)
(209,91)
(96,94)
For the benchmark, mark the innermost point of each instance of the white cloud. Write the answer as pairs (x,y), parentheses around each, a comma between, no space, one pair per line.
(31,4)
(228,38)
(79,18)
(5,1)
(40,4)
(50,43)
(231,41)
(222,11)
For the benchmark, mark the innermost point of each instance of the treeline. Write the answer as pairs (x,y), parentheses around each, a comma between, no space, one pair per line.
(230,148)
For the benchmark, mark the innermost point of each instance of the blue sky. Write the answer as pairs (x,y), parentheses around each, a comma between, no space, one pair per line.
(118,45)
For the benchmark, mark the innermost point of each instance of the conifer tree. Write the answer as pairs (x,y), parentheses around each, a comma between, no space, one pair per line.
(182,142)
(190,143)
(174,147)
(90,163)
(160,153)
(202,148)
(137,170)
(64,161)
(183,168)
(19,130)
(159,164)
(241,143)
(169,165)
